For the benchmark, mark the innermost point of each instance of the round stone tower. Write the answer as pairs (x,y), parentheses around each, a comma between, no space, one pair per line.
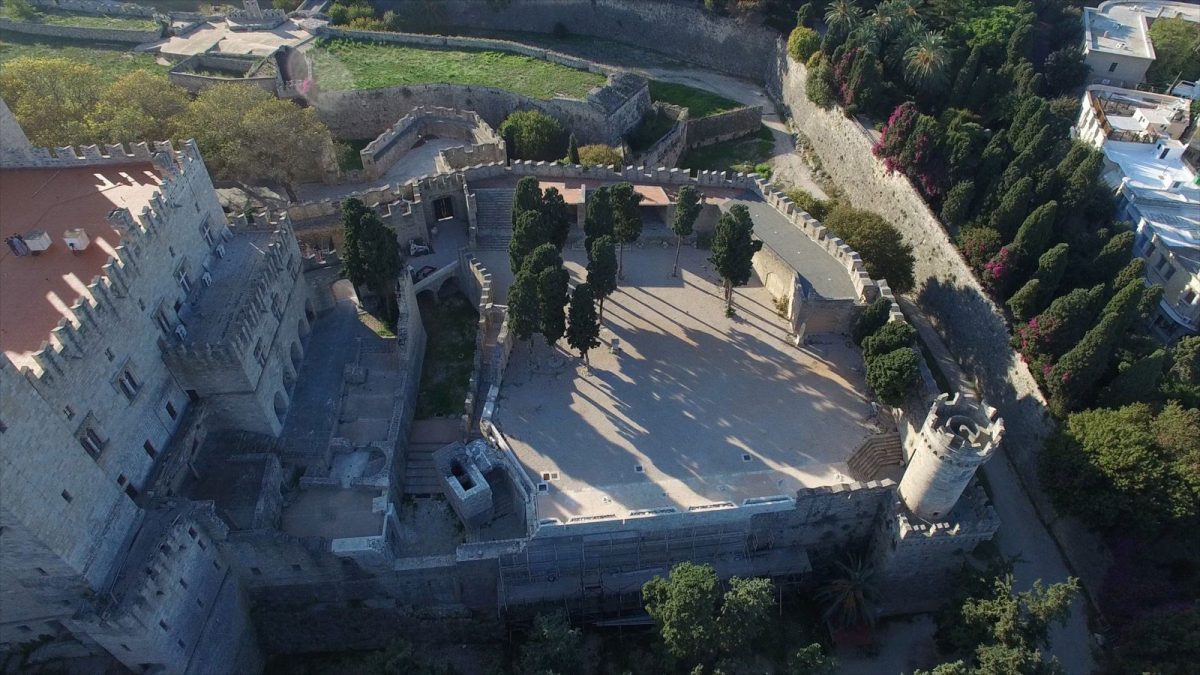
(958,435)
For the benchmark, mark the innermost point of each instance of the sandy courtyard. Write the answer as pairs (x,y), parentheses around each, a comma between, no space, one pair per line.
(696,409)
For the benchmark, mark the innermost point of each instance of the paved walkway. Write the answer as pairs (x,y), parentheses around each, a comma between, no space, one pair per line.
(1021,533)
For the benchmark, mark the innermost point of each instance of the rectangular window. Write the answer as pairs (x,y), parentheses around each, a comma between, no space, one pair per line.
(182,277)
(131,491)
(1113,67)
(1189,296)
(121,479)
(171,410)
(67,496)
(163,321)
(259,355)
(109,354)
(150,449)
(127,383)
(89,437)
(1169,273)
(69,412)
(163,625)
(255,571)
(183,583)
(206,233)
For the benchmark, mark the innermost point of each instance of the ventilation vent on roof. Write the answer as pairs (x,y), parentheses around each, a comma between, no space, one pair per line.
(37,240)
(77,239)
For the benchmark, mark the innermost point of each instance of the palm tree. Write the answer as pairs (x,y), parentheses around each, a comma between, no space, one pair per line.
(842,16)
(851,596)
(926,61)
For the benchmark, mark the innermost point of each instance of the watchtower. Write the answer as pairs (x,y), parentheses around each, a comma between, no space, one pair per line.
(958,435)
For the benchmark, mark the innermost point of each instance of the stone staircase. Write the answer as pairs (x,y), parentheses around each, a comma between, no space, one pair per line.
(420,474)
(494,215)
(875,455)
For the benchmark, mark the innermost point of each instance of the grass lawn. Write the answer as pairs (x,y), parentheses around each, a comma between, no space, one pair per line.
(739,154)
(94,21)
(347,154)
(700,103)
(450,324)
(112,62)
(344,64)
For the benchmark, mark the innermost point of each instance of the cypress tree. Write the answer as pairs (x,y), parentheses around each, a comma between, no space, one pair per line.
(1139,381)
(1111,259)
(523,315)
(529,233)
(602,269)
(583,325)
(733,250)
(556,217)
(870,320)
(552,285)
(627,220)
(1072,380)
(599,219)
(956,209)
(572,150)
(526,197)
(1035,233)
(687,209)
(1013,207)
(960,93)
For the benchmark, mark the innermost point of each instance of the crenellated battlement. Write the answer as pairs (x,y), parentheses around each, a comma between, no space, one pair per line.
(97,155)
(967,425)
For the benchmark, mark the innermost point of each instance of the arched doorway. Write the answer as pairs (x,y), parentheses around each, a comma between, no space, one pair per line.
(280,406)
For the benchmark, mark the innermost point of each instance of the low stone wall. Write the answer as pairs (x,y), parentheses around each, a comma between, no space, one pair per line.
(724,126)
(680,28)
(259,73)
(483,144)
(121,35)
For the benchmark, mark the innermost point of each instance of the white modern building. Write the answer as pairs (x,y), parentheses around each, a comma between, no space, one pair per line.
(1116,42)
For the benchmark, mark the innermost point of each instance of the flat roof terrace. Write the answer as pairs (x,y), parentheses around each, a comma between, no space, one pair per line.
(696,409)
(38,290)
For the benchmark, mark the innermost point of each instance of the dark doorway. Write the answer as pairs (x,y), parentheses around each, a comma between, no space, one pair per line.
(443,208)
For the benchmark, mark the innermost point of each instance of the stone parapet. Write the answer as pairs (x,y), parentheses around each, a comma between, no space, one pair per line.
(89,34)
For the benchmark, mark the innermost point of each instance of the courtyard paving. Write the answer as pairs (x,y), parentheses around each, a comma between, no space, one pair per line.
(694,409)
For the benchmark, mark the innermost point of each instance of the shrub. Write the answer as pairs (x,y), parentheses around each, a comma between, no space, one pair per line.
(883,249)
(820,87)
(600,155)
(978,246)
(892,336)
(870,320)
(534,135)
(892,375)
(803,43)
(957,206)
(817,208)
(22,10)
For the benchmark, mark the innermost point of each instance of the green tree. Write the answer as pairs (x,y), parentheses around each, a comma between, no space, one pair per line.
(553,282)
(1008,630)
(870,320)
(598,222)
(1013,207)
(248,135)
(523,309)
(811,660)
(1176,47)
(884,252)
(1182,380)
(557,218)
(698,623)
(733,250)
(891,336)
(583,325)
(553,646)
(1112,258)
(842,16)
(1136,381)
(1072,380)
(1126,468)
(527,196)
(51,98)
(534,135)
(598,154)
(851,595)
(687,209)
(892,375)
(529,233)
(927,61)
(684,606)
(1034,234)
(1162,642)
(819,87)
(137,107)
(956,208)
(979,245)
(803,43)
(602,269)
(627,220)
(375,260)
(572,150)
(1065,70)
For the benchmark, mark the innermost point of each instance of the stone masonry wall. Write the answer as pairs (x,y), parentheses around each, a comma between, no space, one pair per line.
(971,323)
(679,28)
(724,126)
(123,35)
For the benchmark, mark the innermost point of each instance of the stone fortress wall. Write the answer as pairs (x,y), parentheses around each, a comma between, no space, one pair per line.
(482,144)
(679,28)
(98,7)
(256,72)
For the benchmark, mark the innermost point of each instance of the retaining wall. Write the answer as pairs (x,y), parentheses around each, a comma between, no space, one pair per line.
(680,28)
(724,126)
(121,35)
(97,7)
(973,326)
